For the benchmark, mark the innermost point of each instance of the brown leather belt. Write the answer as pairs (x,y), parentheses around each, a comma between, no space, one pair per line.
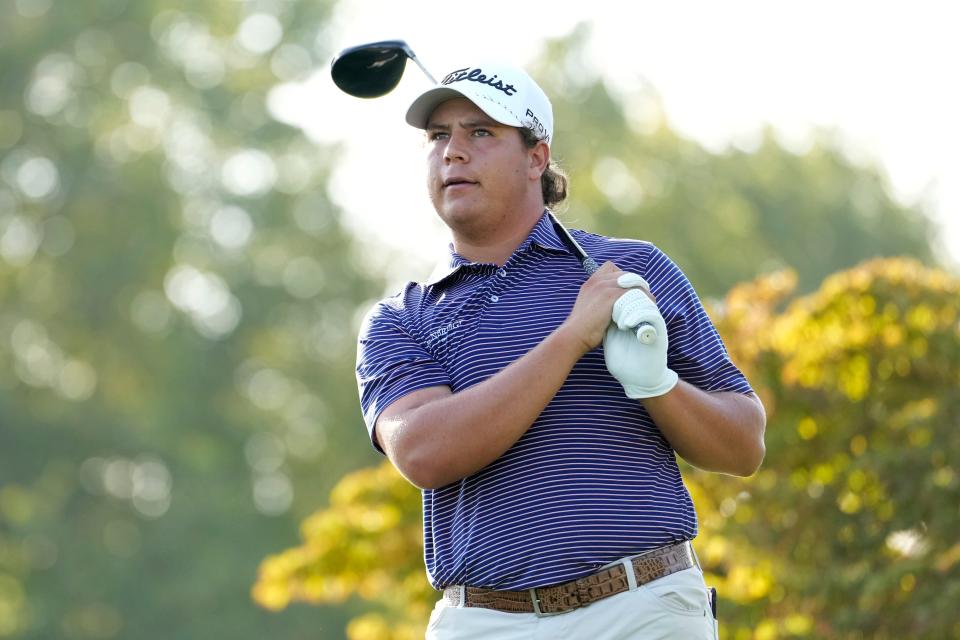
(560,598)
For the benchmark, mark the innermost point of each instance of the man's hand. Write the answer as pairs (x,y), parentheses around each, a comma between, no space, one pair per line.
(640,368)
(593,308)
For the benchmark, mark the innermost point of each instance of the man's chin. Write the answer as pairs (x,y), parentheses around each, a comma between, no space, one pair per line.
(462,218)
(458,211)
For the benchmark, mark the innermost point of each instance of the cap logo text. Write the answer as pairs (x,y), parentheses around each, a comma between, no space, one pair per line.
(538,127)
(477,75)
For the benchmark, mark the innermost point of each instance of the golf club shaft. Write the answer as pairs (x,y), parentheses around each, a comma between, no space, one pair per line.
(422,68)
(589,264)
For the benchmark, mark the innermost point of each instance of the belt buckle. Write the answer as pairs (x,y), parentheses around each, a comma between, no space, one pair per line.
(536,606)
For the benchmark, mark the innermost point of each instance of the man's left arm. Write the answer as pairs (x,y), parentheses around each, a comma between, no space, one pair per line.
(715,431)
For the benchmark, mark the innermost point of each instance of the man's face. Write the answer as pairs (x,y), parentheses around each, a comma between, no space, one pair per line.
(479,170)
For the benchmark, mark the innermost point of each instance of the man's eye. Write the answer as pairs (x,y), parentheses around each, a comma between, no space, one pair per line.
(482,132)
(436,135)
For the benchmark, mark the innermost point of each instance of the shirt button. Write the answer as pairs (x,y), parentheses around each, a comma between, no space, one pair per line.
(502,273)
(494,298)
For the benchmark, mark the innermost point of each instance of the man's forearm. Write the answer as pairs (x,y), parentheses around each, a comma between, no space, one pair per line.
(720,431)
(453,436)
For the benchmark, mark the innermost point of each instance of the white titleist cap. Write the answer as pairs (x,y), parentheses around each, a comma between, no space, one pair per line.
(506,94)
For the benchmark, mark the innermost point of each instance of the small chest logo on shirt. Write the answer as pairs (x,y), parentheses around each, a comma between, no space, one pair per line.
(443,331)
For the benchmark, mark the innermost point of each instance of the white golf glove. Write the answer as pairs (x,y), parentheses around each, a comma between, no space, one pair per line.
(640,368)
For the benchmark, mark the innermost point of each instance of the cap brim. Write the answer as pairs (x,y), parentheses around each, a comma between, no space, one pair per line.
(418,115)
(419,112)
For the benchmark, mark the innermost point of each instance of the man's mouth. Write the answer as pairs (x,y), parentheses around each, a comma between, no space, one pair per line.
(455,182)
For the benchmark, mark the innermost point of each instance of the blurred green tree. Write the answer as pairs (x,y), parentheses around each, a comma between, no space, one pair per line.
(723,217)
(177,302)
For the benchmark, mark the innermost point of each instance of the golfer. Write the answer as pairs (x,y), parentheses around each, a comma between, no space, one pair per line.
(513,390)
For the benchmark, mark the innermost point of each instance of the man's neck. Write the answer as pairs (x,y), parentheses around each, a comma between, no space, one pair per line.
(497,247)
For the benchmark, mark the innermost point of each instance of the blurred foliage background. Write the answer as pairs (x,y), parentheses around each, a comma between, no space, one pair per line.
(181,448)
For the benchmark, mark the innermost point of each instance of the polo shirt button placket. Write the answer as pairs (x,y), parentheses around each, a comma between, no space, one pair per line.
(503,274)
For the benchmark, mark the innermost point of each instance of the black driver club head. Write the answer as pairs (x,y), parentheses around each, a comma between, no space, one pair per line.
(371,70)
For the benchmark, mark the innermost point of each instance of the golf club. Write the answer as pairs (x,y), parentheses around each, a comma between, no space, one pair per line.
(373,70)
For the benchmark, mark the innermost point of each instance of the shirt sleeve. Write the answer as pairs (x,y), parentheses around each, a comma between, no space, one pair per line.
(391,364)
(695,350)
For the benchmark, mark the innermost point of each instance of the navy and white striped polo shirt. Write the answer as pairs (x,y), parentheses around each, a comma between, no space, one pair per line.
(592,480)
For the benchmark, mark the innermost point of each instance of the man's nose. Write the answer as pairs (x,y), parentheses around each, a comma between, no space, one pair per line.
(455,151)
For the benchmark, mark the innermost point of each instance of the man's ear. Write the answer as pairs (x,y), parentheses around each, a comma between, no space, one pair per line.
(539,159)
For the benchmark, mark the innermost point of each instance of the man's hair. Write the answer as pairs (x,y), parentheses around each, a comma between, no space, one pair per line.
(553,182)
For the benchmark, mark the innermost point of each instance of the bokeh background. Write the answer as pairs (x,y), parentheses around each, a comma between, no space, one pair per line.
(192,223)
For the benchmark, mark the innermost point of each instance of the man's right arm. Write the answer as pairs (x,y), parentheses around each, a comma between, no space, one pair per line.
(435,437)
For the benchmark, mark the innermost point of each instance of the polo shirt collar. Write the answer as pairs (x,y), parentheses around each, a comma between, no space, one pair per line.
(542,235)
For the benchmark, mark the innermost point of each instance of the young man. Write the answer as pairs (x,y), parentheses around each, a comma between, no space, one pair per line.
(514,391)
